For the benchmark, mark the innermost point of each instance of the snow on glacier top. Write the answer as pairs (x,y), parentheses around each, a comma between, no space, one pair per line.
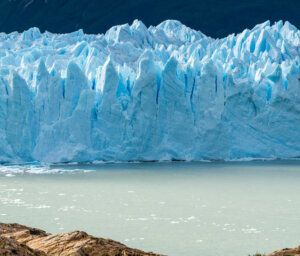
(226,98)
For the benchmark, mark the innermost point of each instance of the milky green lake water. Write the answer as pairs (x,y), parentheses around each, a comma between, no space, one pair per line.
(192,209)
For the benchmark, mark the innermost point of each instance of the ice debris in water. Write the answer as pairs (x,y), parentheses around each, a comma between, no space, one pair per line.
(157,93)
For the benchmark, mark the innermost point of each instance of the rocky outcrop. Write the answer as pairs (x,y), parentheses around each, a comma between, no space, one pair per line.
(286,252)
(9,246)
(20,240)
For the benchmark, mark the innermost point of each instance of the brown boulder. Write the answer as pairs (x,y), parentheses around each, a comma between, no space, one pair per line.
(286,252)
(24,241)
(11,247)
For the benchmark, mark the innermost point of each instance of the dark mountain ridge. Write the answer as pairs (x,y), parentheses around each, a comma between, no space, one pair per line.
(216,18)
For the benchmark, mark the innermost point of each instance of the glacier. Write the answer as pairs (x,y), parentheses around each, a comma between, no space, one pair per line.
(144,94)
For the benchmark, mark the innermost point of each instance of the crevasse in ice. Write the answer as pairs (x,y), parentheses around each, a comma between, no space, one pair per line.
(157,93)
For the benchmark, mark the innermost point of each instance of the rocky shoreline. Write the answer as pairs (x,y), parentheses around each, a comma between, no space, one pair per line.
(286,252)
(283,252)
(20,240)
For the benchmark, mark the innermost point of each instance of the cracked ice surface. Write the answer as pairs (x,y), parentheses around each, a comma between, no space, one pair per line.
(157,93)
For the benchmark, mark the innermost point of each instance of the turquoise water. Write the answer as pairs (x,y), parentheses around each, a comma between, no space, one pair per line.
(192,209)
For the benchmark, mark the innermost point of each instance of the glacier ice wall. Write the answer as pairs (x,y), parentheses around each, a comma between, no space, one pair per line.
(157,93)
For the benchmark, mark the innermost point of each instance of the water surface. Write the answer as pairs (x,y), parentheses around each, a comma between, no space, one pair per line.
(207,209)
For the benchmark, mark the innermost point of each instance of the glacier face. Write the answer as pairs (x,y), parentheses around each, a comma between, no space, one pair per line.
(157,93)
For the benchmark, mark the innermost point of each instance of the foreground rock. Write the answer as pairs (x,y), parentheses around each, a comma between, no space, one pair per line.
(20,240)
(286,252)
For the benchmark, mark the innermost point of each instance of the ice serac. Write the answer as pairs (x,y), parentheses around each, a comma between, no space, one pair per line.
(159,93)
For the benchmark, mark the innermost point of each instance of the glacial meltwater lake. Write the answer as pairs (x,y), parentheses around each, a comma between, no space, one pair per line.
(191,209)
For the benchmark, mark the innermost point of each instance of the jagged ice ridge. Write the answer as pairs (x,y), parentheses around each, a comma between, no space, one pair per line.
(157,93)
